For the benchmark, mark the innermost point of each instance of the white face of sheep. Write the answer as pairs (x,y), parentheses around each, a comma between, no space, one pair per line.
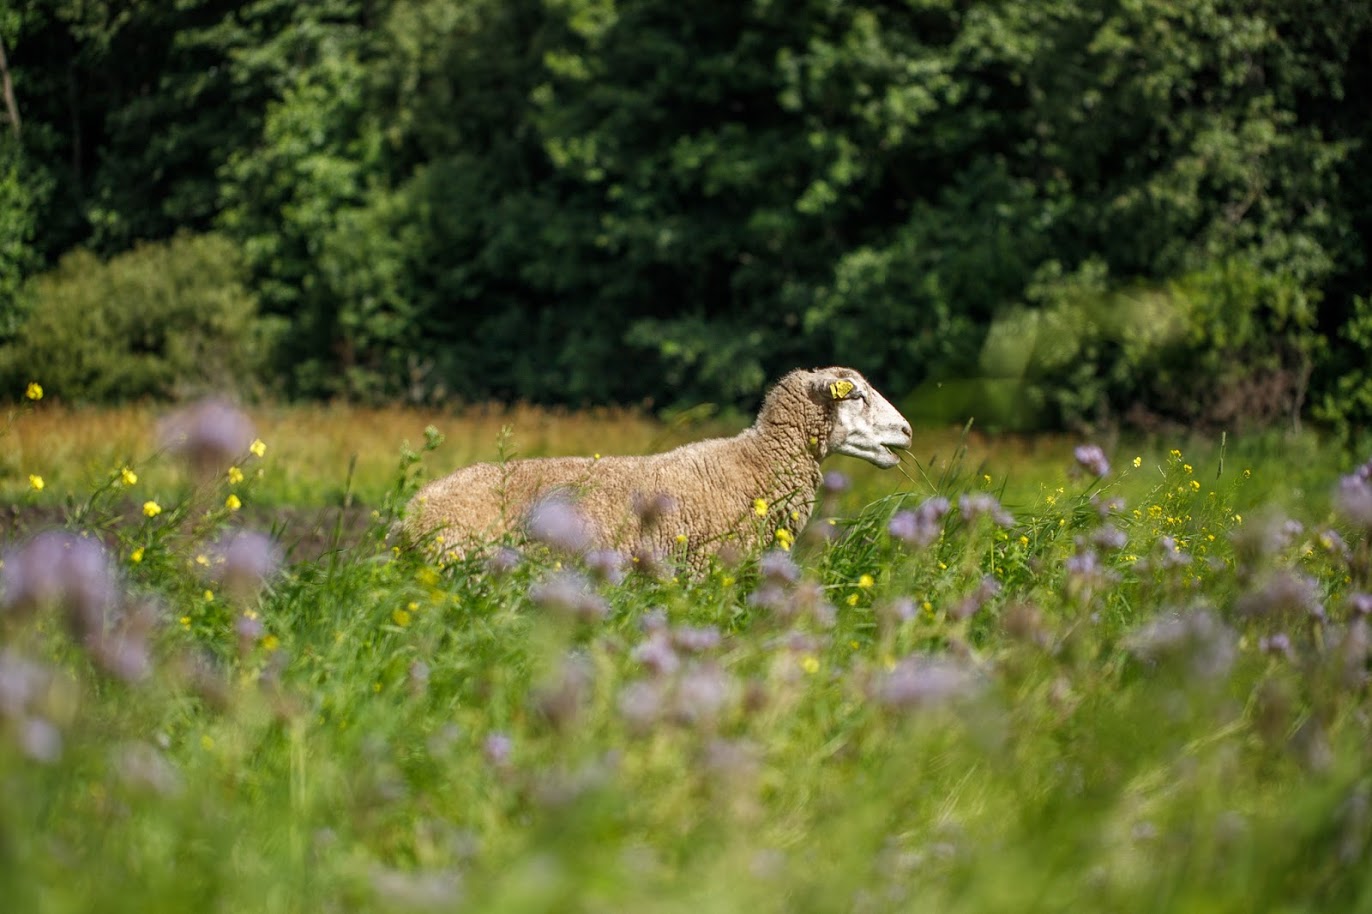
(865,424)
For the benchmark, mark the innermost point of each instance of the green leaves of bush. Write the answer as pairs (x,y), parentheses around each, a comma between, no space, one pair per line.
(163,320)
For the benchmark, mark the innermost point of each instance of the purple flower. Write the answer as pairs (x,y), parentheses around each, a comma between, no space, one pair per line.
(1172,556)
(1196,639)
(696,639)
(777,567)
(557,523)
(923,680)
(1086,573)
(1276,644)
(1092,459)
(1360,604)
(641,704)
(245,559)
(210,434)
(975,504)
(921,526)
(969,605)
(702,693)
(503,561)
(655,652)
(22,683)
(497,749)
(1110,538)
(1107,506)
(1286,594)
(61,571)
(606,565)
(652,508)
(835,482)
(1353,498)
(899,611)
(569,594)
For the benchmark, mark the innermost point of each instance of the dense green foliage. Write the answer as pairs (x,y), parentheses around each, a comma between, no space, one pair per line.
(1052,212)
(162,320)
(1153,703)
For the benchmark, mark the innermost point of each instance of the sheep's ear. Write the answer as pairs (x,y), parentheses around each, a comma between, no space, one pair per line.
(832,388)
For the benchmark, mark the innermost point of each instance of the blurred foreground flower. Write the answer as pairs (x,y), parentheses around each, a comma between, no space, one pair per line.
(1193,639)
(925,680)
(60,571)
(921,526)
(1353,497)
(210,434)
(1092,459)
(975,504)
(34,391)
(569,594)
(559,524)
(243,560)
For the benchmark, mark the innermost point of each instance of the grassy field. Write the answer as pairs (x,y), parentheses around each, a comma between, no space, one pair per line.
(1146,692)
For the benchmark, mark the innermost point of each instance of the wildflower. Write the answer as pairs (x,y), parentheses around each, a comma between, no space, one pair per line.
(58,570)
(921,526)
(244,560)
(835,482)
(1360,604)
(151,509)
(208,434)
(561,697)
(234,475)
(1196,639)
(34,391)
(1087,574)
(257,448)
(865,581)
(852,599)
(785,538)
(606,565)
(778,567)
(41,740)
(569,594)
(127,476)
(922,681)
(1138,462)
(656,653)
(1172,554)
(249,629)
(557,523)
(136,555)
(1186,468)
(1107,506)
(1353,497)
(652,508)
(975,504)
(641,704)
(973,602)
(503,561)
(497,749)
(696,639)
(702,693)
(1110,538)
(810,664)
(1092,459)
(233,503)
(898,611)
(401,617)
(760,507)
(1286,594)
(1276,644)
(36,482)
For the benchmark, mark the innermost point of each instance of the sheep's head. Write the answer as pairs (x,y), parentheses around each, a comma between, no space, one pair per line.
(863,423)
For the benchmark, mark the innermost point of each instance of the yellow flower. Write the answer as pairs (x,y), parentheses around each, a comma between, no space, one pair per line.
(852,599)
(270,643)
(233,503)
(258,447)
(866,581)
(127,476)
(1175,453)
(136,555)
(1247,473)
(401,617)
(151,509)
(759,507)
(185,621)
(927,606)
(1023,540)
(1186,468)
(36,482)
(986,478)
(209,596)
(235,476)
(202,560)
(809,663)
(727,581)
(681,538)
(34,391)
(1138,462)
(1195,485)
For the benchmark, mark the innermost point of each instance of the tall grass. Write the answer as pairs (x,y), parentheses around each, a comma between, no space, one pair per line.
(1156,703)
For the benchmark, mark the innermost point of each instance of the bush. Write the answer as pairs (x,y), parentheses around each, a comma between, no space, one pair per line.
(164,320)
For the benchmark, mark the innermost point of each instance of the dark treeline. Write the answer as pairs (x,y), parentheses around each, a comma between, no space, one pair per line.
(1046,212)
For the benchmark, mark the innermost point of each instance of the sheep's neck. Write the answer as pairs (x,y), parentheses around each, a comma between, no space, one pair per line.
(787,469)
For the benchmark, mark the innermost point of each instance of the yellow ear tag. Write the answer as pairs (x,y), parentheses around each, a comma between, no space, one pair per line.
(840,389)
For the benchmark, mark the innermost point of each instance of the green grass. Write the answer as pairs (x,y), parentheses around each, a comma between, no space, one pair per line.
(1123,743)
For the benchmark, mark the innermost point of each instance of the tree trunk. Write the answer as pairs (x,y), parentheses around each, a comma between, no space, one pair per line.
(7,89)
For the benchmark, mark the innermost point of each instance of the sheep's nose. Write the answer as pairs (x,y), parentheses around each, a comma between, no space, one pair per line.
(905,430)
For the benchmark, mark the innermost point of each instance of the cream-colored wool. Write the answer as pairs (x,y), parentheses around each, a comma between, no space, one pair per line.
(741,489)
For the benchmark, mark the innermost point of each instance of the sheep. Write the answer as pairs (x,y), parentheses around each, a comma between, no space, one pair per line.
(686,502)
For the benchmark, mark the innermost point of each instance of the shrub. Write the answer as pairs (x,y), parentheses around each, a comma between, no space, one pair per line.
(163,320)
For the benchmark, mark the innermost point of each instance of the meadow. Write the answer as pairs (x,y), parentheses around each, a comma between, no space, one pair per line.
(1006,676)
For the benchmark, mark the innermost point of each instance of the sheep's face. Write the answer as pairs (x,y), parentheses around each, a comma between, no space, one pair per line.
(865,425)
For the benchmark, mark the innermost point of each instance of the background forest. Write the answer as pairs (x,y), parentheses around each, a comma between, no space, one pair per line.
(1050,212)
